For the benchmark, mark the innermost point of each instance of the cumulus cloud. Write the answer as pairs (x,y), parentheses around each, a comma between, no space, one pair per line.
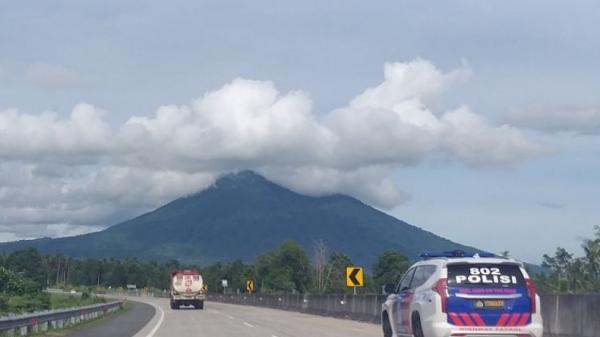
(36,137)
(51,76)
(576,119)
(79,171)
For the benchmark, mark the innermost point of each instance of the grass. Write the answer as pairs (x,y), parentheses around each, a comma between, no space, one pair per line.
(62,301)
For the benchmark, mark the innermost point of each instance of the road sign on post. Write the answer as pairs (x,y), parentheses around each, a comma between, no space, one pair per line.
(224,284)
(249,286)
(354,277)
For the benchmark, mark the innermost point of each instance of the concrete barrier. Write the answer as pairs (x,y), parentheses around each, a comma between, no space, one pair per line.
(564,315)
(362,308)
(571,315)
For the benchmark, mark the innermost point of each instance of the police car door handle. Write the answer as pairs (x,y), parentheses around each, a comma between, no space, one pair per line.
(489,296)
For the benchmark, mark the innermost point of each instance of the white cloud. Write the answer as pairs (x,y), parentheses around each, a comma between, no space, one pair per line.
(577,119)
(468,138)
(51,76)
(38,137)
(78,170)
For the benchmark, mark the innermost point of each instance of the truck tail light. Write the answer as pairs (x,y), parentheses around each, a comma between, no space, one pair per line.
(531,292)
(441,287)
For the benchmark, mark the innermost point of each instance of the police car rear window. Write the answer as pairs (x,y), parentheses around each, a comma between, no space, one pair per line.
(485,275)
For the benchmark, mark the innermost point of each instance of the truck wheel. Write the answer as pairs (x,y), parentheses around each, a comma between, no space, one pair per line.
(199,305)
(385,324)
(174,305)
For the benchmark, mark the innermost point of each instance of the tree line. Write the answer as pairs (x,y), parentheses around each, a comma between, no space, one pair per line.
(563,272)
(286,269)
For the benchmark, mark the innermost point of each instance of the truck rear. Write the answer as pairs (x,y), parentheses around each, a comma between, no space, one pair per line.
(187,288)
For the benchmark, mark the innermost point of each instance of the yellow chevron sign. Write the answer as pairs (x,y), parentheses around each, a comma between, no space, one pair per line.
(354,277)
(250,286)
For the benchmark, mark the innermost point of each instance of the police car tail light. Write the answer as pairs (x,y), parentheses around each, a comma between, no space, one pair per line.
(441,287)
(531,292)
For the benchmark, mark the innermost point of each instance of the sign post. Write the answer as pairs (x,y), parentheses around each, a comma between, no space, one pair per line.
(224,284)
(354,277)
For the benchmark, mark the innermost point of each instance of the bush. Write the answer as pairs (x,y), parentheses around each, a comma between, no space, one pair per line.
(26,303)
(85,294)
(19,294)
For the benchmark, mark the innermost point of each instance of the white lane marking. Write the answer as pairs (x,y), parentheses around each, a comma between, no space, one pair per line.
(229,316)
(248,325)
(273,336)
(160,321)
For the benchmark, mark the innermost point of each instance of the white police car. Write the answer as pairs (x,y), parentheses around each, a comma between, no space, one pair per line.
(455,294)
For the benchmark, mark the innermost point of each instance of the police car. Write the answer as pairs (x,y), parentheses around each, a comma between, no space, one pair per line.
(457,294)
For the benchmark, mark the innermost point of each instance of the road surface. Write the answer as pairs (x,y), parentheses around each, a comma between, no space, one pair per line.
(122,324)
(226,320)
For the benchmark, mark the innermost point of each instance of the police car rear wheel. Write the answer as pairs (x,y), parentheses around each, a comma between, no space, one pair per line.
(416,325)
(385,323)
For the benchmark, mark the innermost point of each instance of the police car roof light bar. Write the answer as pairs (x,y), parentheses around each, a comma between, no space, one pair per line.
(456,254)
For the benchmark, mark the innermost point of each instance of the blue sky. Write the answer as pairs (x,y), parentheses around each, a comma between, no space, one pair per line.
(534,66)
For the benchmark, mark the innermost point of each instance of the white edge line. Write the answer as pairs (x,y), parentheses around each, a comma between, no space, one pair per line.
(248,325)
(160,321)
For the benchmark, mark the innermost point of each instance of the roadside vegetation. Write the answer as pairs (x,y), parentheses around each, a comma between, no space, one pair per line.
(23,283)
(566,273)
(286,269)
(61,301)
(20,294)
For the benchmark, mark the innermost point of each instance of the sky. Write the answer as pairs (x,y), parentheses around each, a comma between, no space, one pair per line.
(476,120)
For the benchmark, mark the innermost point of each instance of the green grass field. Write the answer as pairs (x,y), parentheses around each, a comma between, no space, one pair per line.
(61,301)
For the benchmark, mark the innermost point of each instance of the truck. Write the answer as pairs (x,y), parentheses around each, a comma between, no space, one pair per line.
(187,288)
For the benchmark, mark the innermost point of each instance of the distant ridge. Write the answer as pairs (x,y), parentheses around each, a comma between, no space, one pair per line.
(243,215)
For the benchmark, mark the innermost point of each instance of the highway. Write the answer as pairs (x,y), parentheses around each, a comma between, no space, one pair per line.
(226,320)
(121,325)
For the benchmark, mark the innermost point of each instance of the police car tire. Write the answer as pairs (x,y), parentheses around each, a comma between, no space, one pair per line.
(385,324)
(416,326)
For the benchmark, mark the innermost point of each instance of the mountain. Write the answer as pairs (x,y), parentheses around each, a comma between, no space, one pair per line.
(243,215)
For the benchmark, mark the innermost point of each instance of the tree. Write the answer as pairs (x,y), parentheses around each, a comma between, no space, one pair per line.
(591,249)
(320,258)
(286,269)
(335,276)
(28,263)
(389,268)
(19,293)
(565,273)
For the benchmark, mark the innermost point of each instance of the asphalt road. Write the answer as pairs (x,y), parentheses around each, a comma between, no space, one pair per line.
(226,320)
(125,324)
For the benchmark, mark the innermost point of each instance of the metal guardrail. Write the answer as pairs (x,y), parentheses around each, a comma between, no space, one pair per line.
(55,319)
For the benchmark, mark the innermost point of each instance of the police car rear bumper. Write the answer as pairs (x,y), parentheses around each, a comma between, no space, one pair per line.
(444,329)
